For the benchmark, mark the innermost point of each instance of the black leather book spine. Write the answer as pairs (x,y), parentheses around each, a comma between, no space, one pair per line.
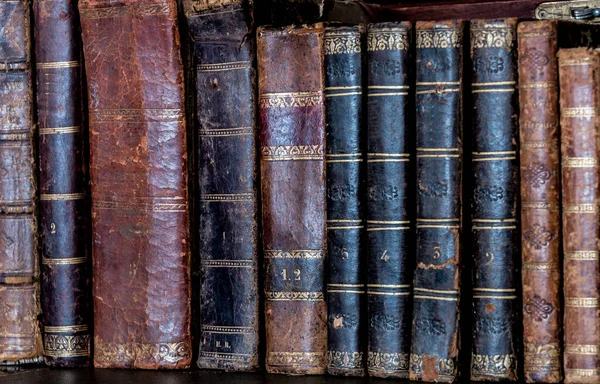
(346,299)
(390,224)
(435,338)
(494,200)
(226,129)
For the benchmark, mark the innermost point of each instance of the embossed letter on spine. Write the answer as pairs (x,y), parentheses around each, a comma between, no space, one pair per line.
(141,264)
(390,224)
(540,198)
(345,180)
(63,227)
(292,140)
(226,105)
(434,351)
(20,337)
(494,200)
(579,77)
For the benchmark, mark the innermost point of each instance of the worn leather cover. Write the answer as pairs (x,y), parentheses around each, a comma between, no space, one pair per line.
(292,141)
(579,76)
(285,12)
(346,304)
(66,271)
(20,336)
(494,200)
(141,275)
(435,338)
(227,161)
(540,199)
(390,217)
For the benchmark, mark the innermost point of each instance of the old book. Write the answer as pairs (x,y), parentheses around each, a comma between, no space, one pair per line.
(346,304)
(540,198)
(227,163)
(390,218)
(284,12)
(435,337)
(292,141)
(139,184)
(63,209)
(579,76)
(494,200)
(20,336)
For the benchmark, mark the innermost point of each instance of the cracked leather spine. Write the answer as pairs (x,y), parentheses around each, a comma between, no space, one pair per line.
(540,200)
(435,337)
(390,221)
(292,162)
(579,76)
(63,209)
(346,304)
(226,129)
(20,333)
(138,168)
(494,201)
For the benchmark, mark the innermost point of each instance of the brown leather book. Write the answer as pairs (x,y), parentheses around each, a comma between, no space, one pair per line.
(20,337)
(141,272)
(63,204)
(292,141)
(540,199)
(579,77)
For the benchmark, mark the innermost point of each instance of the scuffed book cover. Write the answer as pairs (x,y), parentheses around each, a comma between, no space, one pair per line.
(292,144)
(540,201)
(390,217)
(226,129)
(63,209)
(579,79)
(494,201)
(138,165)
(20,333)
(346,300)
(435,337)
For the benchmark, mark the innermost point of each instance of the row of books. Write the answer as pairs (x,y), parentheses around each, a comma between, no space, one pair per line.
(361,182)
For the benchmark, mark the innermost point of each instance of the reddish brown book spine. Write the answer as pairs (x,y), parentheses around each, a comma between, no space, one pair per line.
(20,337)
(292,140)
(138,166)
(540,200)
(579,76)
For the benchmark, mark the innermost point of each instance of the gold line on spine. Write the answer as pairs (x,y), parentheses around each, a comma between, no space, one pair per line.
(65,328)
(227,263)
(537,85)
(62,196)
(494,83)
(388,94)
(294,296)
(346,285)
(239,131)
(57,64)
(388,87)
(437,220)
(579,162)
(295,254)
(438,83)
(341,88)
(218,67)
(436,298)
(344,291)
(344,221)
(388,293)
(509,290)
(495,153)
(455,155)
(494,220)
(540,266)
(64,261)
(578,112)
(438,91)
(475,228)
(59,130)
(581,255)
(388,221)
(580,208)
(346,227)
(387,229)
(437,149)
(581,349)
(496,158)
(582,372)
(226,198)
(438,226)
(228,330)
(388,285)
(492,90)
(449,291)
(343,94)
(581,302)
(494,297)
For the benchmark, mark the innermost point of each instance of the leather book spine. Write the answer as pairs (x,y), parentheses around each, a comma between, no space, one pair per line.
(439,76)
(63,209)
(494,200)
(346,304)
(138,169)
(20,333)
(540,199)
(390,220)
(292,142)
(227,164)
(579,79)
(286,12)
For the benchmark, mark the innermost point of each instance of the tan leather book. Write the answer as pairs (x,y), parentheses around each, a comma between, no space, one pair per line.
(138,165)
(579,77)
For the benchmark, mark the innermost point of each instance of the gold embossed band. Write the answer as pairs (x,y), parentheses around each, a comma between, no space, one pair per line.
(59,130)
(226,198)
(134,115)
(227,330)
(581,302)
(580,208)
(578,112)
(296,254)
(64,261)
(341,43)
(387,39)
(110,352)
(539,205)
(139,206)
(439,37)
(538,85)
(493,36)
(290,99)
(220,67)
(57,64)
(302,359)
(228,263)
(581,255)
(540,266)
(66,345)
(293,152)
(582,373)
(294,296)
(66,328)
(244,357)
(62,196)
(226,132)
(580,349)
(134,9)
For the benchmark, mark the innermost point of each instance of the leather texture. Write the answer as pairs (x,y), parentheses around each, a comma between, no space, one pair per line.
(579,76)
(346,301)
(226,129)
(292,141)
(494,201)
(66,274)
(439,76)
(20,336)
(540,201)
(390,218)
(138,164)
